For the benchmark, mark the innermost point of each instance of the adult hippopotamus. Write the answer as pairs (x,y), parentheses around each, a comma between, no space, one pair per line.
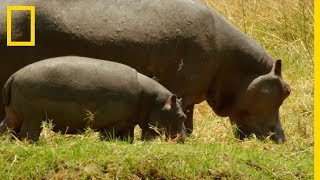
(189,48)
(64,89)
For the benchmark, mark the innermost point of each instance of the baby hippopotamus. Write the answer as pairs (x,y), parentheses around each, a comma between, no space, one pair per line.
(65,89)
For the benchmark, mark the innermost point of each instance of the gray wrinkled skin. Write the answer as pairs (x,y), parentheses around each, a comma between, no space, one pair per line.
(64,89)
(190,49)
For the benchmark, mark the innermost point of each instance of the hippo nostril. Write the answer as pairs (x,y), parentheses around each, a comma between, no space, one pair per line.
(287,91)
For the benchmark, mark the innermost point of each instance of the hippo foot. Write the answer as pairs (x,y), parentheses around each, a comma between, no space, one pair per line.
(189,121)
(126,134)
(29,135)
(148,135)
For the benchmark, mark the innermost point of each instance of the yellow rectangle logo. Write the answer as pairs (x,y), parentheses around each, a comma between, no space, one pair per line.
(32,25)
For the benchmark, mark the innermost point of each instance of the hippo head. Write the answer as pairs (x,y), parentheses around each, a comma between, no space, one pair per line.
(257,111)
(168,117)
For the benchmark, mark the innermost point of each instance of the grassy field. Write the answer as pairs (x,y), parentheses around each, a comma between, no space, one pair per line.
(285,29)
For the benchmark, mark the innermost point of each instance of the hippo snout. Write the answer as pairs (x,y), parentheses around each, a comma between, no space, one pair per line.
(177,135)
(181,137)
(278,136)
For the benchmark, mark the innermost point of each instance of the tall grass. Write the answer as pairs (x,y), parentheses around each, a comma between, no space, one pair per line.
(285,29)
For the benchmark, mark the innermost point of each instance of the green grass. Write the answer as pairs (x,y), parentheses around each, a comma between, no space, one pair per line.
(285,29)
(86,156)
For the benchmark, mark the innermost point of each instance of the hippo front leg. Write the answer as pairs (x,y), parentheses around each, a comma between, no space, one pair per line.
(4,126)
(31,127)
(189,122)
(126,134)
(30,132)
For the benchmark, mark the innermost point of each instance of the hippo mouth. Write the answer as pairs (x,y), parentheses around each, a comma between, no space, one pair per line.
(275,134)
(275,137)
(179,137)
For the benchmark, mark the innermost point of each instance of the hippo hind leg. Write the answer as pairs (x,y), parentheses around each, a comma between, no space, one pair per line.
(31,126)
(10,122)
(126,134)
(30,131)
(27,133)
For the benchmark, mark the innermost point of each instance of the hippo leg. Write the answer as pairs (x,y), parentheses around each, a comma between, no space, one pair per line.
(4,126)
(31,124)
(123,134)
(106,135)
(189,122)
(10,123)
(126,134)
(30,131)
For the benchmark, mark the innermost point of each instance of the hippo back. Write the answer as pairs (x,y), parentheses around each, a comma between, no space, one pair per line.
(81,74)
(77,86)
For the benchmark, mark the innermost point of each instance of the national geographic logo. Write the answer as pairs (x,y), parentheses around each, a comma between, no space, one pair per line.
(32,25)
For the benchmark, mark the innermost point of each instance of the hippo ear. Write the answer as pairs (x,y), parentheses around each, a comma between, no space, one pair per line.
(276,69)
(173,99)
(170,102)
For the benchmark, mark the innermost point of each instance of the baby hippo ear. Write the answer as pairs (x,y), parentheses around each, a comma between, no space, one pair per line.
(172,101)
